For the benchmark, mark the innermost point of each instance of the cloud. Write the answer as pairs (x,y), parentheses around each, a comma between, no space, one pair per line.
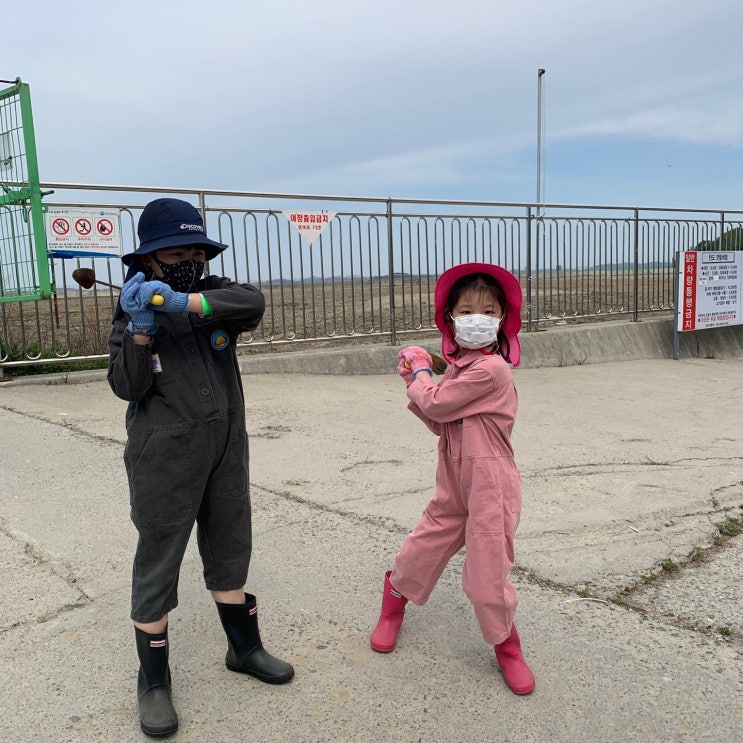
(379,96)
(720,127)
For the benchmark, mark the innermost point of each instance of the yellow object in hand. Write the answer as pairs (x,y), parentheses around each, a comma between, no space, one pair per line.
(157,300)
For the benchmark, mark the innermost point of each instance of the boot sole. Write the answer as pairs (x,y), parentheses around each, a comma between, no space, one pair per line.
(158,732)
(523,691)
(520,691)
(266,679)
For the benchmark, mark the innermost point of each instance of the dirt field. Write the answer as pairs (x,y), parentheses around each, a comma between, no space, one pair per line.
(311,314)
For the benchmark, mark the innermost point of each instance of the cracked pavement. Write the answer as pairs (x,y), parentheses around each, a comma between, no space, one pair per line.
(626,467)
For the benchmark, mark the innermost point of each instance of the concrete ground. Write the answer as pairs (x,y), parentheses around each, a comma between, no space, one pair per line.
(628,466)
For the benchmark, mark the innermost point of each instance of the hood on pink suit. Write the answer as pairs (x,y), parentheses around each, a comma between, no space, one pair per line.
(509,327)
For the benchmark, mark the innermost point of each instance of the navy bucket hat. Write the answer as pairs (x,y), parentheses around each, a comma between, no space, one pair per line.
(167,223)
(171,223)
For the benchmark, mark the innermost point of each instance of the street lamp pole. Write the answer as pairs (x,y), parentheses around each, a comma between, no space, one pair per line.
(540,139)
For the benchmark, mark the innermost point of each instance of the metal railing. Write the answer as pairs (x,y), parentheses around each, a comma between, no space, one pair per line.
(370,275)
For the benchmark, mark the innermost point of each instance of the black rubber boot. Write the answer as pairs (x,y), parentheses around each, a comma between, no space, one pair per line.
(245,653)
(157,716)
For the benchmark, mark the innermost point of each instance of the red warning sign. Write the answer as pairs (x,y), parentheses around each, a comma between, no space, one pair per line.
(83,227)
(60,226)
(104,227)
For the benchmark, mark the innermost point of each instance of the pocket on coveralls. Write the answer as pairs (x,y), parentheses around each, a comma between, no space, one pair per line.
(494,488)
(158,466)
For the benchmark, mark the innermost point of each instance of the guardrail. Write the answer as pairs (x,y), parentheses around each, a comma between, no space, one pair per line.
(370,275)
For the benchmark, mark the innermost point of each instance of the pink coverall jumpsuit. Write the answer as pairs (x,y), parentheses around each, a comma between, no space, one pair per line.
(477,503)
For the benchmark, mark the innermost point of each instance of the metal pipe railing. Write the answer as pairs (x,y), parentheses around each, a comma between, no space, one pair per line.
(575,262)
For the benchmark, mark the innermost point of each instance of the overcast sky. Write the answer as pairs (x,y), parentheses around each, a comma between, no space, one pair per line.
(401,98)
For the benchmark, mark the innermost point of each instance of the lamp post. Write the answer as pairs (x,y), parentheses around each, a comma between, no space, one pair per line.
(540,139)
(533,267)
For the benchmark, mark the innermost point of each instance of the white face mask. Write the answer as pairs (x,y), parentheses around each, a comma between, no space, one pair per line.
(476,331)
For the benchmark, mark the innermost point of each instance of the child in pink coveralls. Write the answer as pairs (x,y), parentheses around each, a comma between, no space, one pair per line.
(477,502)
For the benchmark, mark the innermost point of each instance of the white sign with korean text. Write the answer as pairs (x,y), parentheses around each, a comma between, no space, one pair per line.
(710,289)
(83,232)
(309,224)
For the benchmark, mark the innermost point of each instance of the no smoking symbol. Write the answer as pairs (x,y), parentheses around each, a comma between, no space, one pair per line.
(83,226)
(104,227)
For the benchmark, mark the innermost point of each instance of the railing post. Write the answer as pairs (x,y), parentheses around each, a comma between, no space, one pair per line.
(391,271)
(722,231)
(636,269)
(528,269)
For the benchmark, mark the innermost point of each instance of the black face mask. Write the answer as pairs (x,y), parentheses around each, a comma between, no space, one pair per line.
(181,276)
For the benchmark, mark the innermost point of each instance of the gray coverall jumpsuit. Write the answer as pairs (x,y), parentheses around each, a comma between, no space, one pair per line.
(186,454)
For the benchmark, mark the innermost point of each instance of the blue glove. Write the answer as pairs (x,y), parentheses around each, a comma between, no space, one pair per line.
(174,301)
(137,293)
(130,299)
(143,321)
(134,298)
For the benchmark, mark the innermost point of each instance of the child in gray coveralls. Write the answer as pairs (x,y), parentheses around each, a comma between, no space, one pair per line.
(172,356)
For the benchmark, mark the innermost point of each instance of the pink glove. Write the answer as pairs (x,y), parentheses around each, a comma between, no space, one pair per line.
(416,359)
(405,372)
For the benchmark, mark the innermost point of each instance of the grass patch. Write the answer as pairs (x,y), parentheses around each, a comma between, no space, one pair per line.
(731,527)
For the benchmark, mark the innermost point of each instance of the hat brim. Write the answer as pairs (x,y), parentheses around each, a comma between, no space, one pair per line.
(510,326)
(211,248)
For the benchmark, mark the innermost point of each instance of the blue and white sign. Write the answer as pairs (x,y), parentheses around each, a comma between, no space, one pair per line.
(74,233)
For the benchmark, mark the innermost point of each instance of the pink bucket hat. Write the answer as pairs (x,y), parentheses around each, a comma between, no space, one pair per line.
(509,327)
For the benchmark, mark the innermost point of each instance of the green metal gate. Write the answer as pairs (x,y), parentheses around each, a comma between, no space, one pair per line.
(24,262)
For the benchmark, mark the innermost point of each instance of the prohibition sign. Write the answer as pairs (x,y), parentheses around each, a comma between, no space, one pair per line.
(104,227)
(60,226)
(83,226)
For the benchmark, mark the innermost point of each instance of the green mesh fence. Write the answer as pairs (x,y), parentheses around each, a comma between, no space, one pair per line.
(24,264)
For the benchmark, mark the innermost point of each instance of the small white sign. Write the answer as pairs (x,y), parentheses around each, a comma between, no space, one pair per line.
(80,232)
(309,224)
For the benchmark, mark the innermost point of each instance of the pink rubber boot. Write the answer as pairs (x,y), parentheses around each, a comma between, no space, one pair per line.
(516,673)
(384,637)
